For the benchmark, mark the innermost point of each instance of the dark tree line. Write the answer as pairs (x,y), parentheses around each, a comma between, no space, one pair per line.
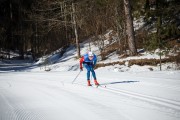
(43,26)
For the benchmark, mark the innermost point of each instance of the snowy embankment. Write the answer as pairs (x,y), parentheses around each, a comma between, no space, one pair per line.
(127,96)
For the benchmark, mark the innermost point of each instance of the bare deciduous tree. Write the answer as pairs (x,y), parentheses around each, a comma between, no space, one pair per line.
(130,28)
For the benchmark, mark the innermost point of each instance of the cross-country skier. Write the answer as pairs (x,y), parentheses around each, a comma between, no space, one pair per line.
(89,61)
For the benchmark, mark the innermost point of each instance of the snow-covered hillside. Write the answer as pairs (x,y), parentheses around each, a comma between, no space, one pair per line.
(28,92)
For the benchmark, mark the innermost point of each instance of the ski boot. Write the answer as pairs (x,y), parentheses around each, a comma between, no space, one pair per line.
(96,83)
(89,83)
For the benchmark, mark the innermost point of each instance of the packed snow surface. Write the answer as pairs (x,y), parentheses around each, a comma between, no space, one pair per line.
(122,96)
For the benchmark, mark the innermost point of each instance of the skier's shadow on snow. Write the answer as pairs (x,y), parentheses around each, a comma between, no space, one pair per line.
(120,82)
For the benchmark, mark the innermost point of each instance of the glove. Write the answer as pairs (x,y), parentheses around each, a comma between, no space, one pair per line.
(81,68)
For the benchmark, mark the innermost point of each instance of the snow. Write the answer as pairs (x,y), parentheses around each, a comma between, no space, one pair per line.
(134,92)
(138,23)
(128,95)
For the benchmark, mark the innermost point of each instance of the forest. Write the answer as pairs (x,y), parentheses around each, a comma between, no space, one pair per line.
(39,27)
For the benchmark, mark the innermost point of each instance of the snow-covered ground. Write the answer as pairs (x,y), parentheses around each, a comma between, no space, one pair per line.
(127,96)
(28,92)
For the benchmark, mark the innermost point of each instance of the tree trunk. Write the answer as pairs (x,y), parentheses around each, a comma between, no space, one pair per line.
(75,31)
(130,28)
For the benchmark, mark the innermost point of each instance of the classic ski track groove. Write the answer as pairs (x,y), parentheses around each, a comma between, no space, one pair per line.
(165,102)
(175,105)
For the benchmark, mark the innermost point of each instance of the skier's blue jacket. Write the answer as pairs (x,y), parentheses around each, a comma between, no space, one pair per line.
(85,60)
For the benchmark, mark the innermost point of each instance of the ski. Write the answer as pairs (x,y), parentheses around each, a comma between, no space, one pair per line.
(104,86)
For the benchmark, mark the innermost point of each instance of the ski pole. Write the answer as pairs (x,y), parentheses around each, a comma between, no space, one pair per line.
(76,76)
